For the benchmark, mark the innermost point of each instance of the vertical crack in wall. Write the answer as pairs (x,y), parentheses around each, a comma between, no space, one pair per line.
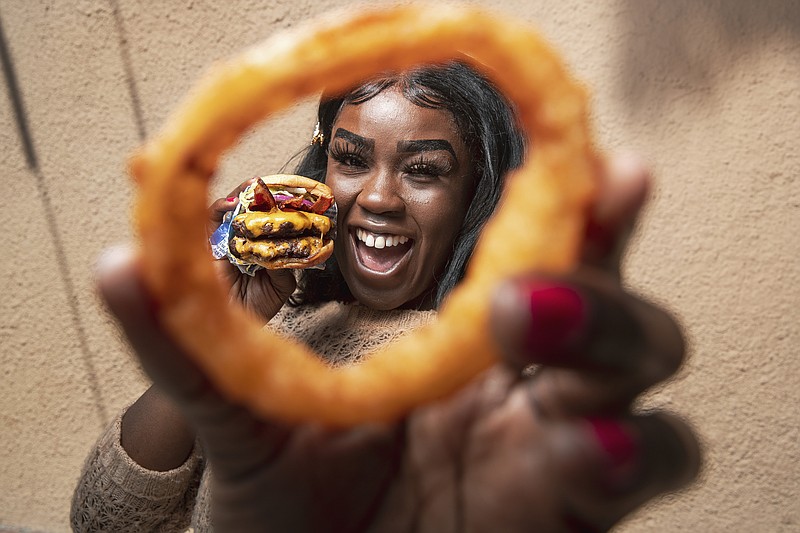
(26,139)
(130,78)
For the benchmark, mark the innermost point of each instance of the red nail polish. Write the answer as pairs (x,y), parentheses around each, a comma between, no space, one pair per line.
(558,322)
(621,448)
(230,198)
(600,240)
(619,444)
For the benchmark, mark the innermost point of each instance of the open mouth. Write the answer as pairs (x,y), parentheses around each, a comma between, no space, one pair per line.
(381,252)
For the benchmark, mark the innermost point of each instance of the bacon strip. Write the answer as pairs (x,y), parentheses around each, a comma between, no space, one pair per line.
(262,198)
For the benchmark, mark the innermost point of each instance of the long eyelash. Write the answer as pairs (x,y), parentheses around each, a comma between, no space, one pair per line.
(432,167)
(341,151)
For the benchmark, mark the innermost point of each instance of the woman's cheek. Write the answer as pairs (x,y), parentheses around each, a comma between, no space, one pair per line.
(344,192)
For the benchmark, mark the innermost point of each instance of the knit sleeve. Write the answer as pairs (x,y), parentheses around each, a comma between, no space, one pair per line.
(115,493)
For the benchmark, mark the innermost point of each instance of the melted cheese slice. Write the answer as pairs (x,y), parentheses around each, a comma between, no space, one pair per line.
(257,224)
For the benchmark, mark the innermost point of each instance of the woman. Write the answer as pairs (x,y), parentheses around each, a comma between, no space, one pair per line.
(416,163)
(406,158)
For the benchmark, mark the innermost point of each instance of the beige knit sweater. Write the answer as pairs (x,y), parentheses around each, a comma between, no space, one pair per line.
(116,494)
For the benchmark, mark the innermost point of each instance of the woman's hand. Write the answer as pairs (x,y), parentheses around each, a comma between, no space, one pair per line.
(555,449)
(265,293)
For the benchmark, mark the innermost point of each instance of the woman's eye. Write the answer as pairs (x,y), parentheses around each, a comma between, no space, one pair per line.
(347,158)
(422,170)
(427,168)
(351,161)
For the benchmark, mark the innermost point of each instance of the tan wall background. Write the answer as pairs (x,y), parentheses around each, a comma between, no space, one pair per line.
(708,91)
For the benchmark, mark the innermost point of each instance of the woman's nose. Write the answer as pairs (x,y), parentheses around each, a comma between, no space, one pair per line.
(381,194)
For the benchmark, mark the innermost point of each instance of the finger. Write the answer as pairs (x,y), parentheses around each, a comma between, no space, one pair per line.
(624,186)
(599,345)
(612,466)
(242,186)
(120,285)
(219,207)
(234,437)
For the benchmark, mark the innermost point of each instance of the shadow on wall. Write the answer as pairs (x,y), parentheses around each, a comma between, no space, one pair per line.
(685,45)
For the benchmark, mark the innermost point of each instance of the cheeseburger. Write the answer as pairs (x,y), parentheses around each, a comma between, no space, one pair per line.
(281,223)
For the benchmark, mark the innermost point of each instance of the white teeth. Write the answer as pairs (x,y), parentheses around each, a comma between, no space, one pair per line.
(379,241)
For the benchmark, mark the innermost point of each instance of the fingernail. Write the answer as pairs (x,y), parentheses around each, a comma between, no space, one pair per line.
(230,198)
(600,242)
(621,448)
(616,441)
(558,319)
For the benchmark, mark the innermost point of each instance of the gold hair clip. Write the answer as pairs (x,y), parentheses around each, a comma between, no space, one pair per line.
(318,137)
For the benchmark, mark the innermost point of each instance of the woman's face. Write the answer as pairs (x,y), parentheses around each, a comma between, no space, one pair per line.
(403,180)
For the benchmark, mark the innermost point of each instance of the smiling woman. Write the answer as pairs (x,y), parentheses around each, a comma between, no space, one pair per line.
(416,161)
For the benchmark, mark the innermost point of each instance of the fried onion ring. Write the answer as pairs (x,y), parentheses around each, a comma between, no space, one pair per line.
(537,227)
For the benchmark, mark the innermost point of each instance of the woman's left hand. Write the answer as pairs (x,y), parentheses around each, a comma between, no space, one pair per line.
(557,449)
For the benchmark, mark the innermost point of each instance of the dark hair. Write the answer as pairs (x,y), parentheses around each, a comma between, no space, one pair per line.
(488,126)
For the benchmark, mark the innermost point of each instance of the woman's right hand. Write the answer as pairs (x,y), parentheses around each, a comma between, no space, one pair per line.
(263,294)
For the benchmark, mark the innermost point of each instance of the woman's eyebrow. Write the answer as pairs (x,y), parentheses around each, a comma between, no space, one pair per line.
(353,138)
(427,145)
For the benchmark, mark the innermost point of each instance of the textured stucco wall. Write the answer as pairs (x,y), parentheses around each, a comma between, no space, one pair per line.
(708,91)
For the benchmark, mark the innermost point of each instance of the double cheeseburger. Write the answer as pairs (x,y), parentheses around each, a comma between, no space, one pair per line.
(281,223)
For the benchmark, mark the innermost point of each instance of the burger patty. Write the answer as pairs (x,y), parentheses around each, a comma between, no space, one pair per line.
(279,224)
(298,248)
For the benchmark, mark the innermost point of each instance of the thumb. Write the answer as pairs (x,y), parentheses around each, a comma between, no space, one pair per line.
(624,186)
(120,284)
(235,439)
